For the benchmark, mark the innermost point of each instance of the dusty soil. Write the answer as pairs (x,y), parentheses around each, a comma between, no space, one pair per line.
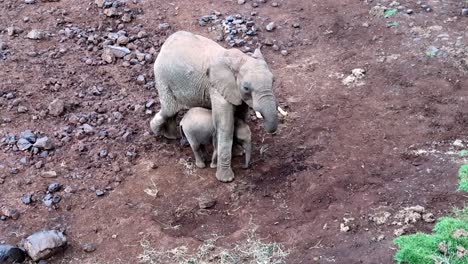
(342,152)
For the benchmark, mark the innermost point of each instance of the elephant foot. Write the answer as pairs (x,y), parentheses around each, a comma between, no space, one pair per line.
(200,164)
(225,175)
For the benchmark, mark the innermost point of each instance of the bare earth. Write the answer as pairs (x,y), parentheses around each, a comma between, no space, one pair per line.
(382,142)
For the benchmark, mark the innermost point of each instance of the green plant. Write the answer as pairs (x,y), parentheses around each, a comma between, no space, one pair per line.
(447,245)
(463,176)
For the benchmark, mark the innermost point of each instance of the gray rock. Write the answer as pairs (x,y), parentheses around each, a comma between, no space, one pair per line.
(118,52)
(271,26)
(49,174)
(464,12)
(164,26)
(35,34)
(28,135)
(51,199)
(141,79)
(56,107)
(30,1)
(241,2)
(11,254)
(296,25)
(44,143)
(100,193)
(22,109)
(27,199)
(122,40)
(23,144)
(54,187)
(89,247)
(206,202)
(44,244)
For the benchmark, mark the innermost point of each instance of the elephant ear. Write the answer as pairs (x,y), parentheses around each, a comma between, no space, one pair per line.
(223,78)
(258,54)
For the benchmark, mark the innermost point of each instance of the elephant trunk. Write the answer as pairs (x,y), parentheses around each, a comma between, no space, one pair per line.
(267,106)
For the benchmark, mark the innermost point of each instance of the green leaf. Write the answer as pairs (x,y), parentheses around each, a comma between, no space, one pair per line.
(390,12)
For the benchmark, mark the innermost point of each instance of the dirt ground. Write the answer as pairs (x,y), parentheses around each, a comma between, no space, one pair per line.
(343,153)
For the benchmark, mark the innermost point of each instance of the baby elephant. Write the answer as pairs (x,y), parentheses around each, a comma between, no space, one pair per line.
(197,127)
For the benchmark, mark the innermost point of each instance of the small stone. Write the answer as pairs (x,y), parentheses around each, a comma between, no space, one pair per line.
(39,164)
(111,12)
(142,34)
(107,56)
(141,79)
(35,34)
(296,25)
(274,4)
(11,254)
(24,161)
(22,109)
(122,40)
(23,144)
(89,247)
(409,11)
(284,52)
(164,26)
(51,199)
(126,18)
(270,26)
(44,143)
(54,187)
(10,213)
(100,193)
(464,12)
(103,153)
(428,218)
(30,1)
(344,228)
(56,107)
(44,244)
(206,202)
(117,51)
(27,199)
(240,2)
(49,174)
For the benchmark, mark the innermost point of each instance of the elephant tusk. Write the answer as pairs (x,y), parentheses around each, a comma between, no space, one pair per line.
(258,114)
(282,112)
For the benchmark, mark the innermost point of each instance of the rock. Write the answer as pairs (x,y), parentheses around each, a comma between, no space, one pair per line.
(126,18)
(49,174)
(428,218)
(118,52)
(23,144)
(22,109)
(141,79)
(100,193)
(274,4)
(10,213)
(54,187)
(56,107)
(240,2)
(284,52)
(111,12)
(409,11)
(164,26)
(107,56)
(28,135)
(206,202)
(27,199)
(35,34)
(122,40)
(296,25)
(464,12)
(89,247)
(44,143)
(51,199)
(270,27)
(11,254)
(30,1)
(100,3)
(344,228)
(44,244)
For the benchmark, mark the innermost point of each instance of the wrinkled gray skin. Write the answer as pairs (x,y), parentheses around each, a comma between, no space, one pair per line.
(197,127)
(193,71)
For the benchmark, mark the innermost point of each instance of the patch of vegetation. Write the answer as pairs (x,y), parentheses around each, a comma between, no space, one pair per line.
(463,176)
(447,245)
(252,250)
(464,153)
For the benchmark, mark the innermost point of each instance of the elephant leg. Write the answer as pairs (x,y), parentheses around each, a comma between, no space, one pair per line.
(223,119)
(199,161)
(214,158)
(164,122)
(248,154)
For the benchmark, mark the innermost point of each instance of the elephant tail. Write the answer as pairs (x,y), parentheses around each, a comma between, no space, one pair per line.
(183,140)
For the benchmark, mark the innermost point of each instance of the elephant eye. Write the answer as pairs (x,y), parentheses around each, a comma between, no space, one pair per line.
(246,89)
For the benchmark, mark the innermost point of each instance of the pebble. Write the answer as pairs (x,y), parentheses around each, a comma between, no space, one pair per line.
(23,144)
(51,199)
(44,244)
(117,51)
(11,254)
(296,25)
(54,187)
(56,107)
(89,247)
(274,4)
(30,1)
(44,143)
(103,153)
(27,199)
(284,52)
(240,2)
(409,11)
(35,34)
(10,213)
(49,174)
(164,26)
(126,18)
(141,79)
(206,202)
(100,193)
(22,109)
(122,40)
(464,12)
(271,26)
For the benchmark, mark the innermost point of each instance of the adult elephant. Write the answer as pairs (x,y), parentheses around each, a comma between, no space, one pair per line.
(194,71)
